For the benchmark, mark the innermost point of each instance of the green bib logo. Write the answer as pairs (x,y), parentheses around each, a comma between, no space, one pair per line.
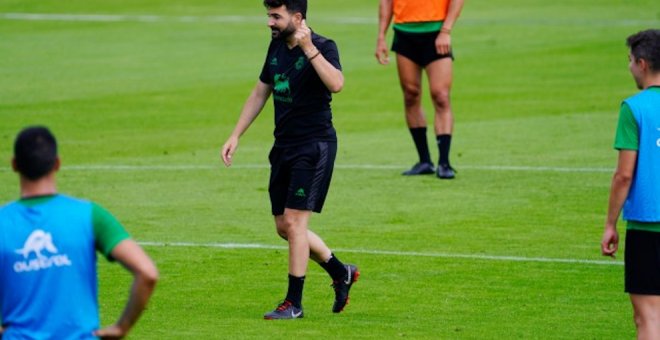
(282,88)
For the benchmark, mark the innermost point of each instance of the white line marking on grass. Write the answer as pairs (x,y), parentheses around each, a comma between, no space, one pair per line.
(535,168)
(181,167)
(384,167)
(225,19)
(127,167)
(343,20)
(117,18)
(389,252)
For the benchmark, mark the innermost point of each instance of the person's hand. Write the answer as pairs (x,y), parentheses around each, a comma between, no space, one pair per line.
(110,333)
(610,242)
(443,43)
(381,52)
(303,37)
(228,150)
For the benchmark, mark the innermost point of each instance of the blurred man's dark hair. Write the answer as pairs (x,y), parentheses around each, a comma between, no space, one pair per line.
(292,6)
(35,152)
(646,45)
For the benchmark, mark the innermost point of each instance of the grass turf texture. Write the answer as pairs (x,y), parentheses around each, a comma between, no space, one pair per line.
(537,88)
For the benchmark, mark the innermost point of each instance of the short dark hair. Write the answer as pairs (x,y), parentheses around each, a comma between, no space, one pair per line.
(646,45)
(292,6)
(35,152)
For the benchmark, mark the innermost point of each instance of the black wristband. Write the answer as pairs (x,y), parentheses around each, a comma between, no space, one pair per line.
(314,56)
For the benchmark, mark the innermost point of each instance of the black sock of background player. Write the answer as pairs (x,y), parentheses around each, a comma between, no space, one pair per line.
(444,143)
(294,294)
(335,268)
(421,144)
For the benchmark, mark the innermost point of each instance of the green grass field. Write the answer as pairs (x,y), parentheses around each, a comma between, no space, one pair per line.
(142,95)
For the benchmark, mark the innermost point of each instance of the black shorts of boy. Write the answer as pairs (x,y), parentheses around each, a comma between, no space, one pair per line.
(642,262)
(418,47)
(300,176)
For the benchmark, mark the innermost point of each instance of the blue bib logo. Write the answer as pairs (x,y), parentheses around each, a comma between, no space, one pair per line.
(38,243)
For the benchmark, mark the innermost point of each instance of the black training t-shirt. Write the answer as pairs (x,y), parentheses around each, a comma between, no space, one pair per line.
(301,100)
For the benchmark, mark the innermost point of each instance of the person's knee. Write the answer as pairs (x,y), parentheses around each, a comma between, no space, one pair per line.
(646,319)
(411,94)
(441,98)
(289,226)
(282,226)
(638,319)
(282,233)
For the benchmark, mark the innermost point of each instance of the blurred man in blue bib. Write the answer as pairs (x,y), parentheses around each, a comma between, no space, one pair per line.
(48,245)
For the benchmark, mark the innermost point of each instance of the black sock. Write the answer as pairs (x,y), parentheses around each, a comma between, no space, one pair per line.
(422,145)
(444,143)
(294,295)
(335,268)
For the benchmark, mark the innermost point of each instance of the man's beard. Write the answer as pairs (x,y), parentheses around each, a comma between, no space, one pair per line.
(283,34)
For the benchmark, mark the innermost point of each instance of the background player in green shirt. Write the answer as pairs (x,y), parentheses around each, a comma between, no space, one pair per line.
(422,42)
(636,185)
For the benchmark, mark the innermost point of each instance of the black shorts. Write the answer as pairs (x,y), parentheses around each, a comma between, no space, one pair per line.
(642,262)
(418,47)
(300,176)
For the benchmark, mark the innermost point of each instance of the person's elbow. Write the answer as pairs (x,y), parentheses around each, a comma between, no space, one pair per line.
(623,178)
(336,86)
(148,276)
(332,78)
(151,277)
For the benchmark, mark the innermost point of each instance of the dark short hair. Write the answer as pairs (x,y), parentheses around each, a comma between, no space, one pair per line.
(292,6)
(646,45)
(35,152)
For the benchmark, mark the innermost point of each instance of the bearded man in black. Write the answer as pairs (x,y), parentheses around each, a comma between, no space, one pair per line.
(301,71)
